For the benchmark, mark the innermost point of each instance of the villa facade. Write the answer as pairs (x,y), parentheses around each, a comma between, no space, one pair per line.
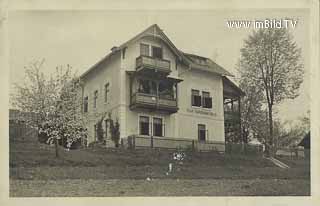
(155,90)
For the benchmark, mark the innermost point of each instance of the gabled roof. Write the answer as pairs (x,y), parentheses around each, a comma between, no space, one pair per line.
(207,64)
(188,59)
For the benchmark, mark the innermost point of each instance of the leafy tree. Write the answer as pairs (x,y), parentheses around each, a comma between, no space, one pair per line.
(272,61)
(55,101)
(290,133)
(252,112)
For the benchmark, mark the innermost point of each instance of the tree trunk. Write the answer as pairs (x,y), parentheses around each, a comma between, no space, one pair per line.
(56,146)
(270,131)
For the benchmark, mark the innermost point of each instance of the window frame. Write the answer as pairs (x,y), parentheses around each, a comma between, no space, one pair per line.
(95,99)
(106,92)
(140,128)
(205,133)
(85,104)
(193,104)
(162,126)
(205,97)
(156,47)
(151,125)
(147,46)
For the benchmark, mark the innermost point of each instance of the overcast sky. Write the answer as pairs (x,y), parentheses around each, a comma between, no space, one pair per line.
(81,38)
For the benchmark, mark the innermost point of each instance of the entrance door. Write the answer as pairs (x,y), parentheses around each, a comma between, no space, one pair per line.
(201,132)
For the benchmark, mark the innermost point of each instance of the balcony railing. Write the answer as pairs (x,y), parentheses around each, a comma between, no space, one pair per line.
(151,101)
(147,63)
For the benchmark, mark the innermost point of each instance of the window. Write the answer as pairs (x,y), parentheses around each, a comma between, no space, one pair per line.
(144,50)
(166,90)
(144,125)
(95,99)
(157,52)
(147,86)
(85,104)
(157,127)
(202,132)
(106,91)
(206,100)
(195,98)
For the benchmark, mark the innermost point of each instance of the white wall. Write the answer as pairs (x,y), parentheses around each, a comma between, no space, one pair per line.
(106,72)
(188,117)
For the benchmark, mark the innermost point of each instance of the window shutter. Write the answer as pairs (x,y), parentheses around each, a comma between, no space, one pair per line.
(207,102)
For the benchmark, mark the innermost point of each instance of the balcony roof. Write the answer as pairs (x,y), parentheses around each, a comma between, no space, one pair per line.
(169,78)
(231,89)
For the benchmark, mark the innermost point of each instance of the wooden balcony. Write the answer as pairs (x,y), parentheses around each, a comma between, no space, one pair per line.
(149,65)
(153,102)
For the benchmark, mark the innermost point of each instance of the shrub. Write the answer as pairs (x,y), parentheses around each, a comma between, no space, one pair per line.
(114,130)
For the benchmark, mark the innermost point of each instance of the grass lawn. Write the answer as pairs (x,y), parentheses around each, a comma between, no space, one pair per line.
(34,171)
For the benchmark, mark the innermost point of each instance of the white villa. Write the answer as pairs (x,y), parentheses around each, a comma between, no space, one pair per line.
(155,90)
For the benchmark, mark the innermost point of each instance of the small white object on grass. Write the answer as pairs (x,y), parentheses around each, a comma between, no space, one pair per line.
(148,179)
(170,167)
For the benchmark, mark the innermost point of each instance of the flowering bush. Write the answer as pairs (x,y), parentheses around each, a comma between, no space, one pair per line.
(179,156)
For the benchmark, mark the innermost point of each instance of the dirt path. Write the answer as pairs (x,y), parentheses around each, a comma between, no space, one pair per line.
(157,187)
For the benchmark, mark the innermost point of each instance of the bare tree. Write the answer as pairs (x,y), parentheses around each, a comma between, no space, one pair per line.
(272,61)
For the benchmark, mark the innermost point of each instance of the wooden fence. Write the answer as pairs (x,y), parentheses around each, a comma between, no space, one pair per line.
(137,142)
(20,131)
(246,149)
(293,152)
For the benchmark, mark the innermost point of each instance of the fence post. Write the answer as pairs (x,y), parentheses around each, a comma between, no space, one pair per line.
(133,142)
(193,149)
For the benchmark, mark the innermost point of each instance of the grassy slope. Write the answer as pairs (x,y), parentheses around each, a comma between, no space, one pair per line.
(102,167)
(28,154)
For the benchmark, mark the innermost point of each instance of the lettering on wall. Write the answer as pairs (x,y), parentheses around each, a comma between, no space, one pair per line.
(200,111)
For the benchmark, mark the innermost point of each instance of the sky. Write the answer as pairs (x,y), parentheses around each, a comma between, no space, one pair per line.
(81,38)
